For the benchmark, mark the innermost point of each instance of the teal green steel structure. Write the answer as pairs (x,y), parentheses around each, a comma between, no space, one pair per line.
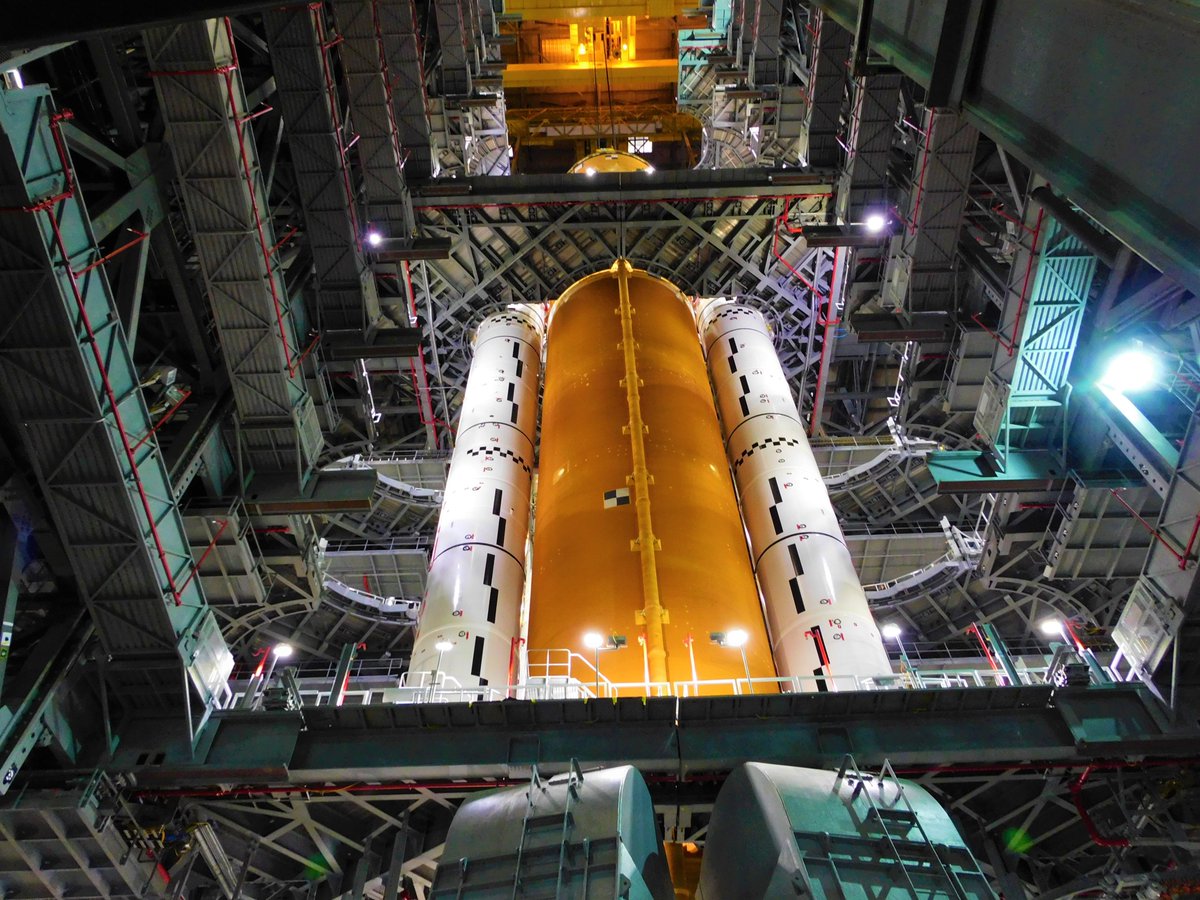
(71,381)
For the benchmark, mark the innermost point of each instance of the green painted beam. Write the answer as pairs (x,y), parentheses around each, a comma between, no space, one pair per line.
(1141,427)
(667,735)
(73,389)
(970,471)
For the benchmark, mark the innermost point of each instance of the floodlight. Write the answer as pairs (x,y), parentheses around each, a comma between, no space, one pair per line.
(736,638)
(1132,370)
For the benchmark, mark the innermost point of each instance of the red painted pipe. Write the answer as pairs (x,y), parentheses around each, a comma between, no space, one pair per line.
(1084,816)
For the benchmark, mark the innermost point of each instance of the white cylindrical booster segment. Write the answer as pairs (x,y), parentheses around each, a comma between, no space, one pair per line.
(477,568)
(816,609)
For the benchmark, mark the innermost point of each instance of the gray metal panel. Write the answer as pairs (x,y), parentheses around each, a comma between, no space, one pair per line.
(55,847)
(202,101)
(929,243)
(827,91)
(1092,96)
(367,72)
(874,111)
(300,56)
(574,837)
(401,39)
(454,31)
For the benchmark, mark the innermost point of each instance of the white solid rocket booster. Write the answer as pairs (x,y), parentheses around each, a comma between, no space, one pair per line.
(817,612)
(477,567)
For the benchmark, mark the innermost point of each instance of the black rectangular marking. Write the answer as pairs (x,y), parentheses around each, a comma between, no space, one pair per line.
(512,390)
(795,557)
(497,499)
(775,520)
(489,568)
(516,350)
(822,687)
(477,658)
(500,531)
(732,364)
(520,368)
(745,384)
(797,597)
(732,346)
(744,405)
(493,600)
(514,413)
(775,495)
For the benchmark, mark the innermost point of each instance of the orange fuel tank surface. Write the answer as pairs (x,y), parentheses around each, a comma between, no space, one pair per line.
(588,570)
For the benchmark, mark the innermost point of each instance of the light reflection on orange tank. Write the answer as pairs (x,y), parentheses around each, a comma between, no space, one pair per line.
(586,570)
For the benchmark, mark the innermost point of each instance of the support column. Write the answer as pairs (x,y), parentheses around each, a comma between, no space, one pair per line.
(816,610)
(477,568)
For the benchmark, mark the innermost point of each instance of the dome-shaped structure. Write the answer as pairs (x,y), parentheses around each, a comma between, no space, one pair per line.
(608,160)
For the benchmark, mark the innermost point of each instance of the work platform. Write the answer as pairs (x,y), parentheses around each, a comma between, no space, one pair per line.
(915,729)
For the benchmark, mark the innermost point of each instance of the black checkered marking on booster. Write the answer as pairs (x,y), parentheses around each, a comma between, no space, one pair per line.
(498,451)
(763,445)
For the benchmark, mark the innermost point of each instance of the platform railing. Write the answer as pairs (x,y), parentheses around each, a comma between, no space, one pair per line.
(562,674)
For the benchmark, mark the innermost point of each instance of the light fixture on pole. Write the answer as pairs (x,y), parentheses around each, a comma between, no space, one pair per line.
(736,638)
(441,647)
(892,632)
(596,642)
(278,652)
(1051,627)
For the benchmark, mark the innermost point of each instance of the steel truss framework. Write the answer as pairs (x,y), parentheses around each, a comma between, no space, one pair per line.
(1023,821)
(1021,785)
(529,252)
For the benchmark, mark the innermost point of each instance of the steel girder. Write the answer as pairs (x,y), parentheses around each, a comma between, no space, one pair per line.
(210,136)
(1019,70)
(368,76)
(507,249)
(70,381)
(928,247)
(60,844)
(827,81)
(312,119)
(401,38)
(1024,398)
(386,742)
(458,34)
(874,111)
